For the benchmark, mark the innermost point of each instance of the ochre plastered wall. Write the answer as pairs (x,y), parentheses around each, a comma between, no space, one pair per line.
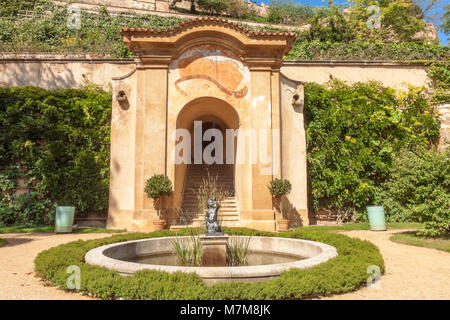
(123,151)
(52,72)
(391,75)
(294,152)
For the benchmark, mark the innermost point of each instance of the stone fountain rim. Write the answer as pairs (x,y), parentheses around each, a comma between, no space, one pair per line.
(97,257)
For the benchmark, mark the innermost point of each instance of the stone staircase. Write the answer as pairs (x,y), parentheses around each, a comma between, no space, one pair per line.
(228,213)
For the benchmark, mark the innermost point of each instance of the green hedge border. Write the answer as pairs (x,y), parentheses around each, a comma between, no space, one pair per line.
(345,273)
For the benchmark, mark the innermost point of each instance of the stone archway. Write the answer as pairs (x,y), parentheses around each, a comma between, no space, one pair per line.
(209,62)
(200,117)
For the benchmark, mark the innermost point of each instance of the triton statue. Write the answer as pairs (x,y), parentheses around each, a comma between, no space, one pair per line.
(212,226)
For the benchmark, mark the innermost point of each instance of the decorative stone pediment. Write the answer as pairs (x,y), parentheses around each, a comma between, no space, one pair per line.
(160,47)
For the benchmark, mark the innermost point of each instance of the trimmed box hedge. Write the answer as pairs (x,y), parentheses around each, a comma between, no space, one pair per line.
(345,273)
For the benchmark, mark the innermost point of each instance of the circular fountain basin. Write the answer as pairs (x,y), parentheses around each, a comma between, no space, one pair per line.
(148,254)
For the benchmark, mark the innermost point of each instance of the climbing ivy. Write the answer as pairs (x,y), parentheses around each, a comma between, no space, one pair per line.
(354,133)
(57,141)
(439,74)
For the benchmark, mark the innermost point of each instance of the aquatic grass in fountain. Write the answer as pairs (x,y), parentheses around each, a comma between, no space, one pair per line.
(237,251)
(189,250)
(346,272)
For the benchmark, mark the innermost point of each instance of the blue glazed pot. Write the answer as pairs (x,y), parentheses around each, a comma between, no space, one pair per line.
(376,218)
(64,219)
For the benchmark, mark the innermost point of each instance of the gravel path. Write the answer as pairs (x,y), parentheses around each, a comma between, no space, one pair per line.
(411,272)
(17,277)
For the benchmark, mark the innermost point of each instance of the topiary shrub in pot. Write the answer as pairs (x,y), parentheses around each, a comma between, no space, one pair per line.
(279,188)
(156,188)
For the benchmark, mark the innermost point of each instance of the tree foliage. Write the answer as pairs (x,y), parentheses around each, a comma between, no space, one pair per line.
(418,189)
(399,21)
(279,187)
(445,26)
(157,186)
(289,12)
(12,8)
(330,24)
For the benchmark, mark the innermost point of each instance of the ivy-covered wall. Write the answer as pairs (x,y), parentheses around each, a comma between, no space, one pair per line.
(354,133)
(58,142)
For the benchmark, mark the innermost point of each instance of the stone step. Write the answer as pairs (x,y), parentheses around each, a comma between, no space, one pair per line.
(195,211)
(194,191)
(229,224)
(227,191)
(195,187)
(200,178)
(194,198)
(194,208)
(219,177)
(224,218)
(224,212)
(221,221)
(195,177)
(194,203)
(229,211)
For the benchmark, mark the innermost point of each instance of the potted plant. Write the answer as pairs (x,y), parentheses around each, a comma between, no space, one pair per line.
(279,188)
(156,188)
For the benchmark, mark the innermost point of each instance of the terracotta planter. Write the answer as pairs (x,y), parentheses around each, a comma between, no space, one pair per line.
(283,225)
(159,224)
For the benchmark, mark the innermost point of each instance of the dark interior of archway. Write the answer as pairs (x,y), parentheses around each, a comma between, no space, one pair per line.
(197,176)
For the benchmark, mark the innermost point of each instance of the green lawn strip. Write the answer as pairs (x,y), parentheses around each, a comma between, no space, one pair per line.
(3,242)
(24,229)
(440,243)
(365,226)
(96,230)
(51,229)
(347,272)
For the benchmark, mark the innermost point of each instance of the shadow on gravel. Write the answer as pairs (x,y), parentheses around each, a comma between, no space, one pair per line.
(16,242)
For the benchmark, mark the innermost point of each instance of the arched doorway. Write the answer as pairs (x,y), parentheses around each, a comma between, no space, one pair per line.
(211,161)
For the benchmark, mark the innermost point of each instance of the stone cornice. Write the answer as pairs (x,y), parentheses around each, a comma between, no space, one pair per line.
(208,21)
(260,47)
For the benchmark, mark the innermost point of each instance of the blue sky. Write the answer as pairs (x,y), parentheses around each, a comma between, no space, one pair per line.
(317,3)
